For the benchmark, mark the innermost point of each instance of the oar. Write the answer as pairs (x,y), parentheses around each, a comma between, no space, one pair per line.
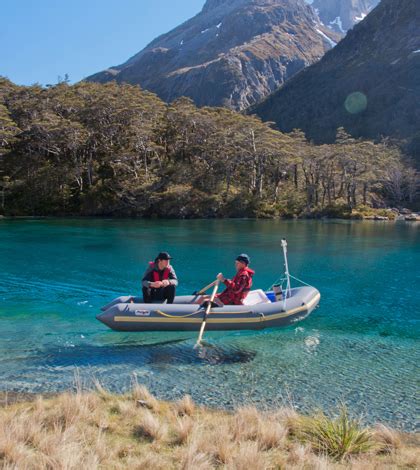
(203,325)
(204,289)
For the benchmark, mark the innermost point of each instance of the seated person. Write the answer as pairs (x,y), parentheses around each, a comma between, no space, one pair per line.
(159,281)
(237,288)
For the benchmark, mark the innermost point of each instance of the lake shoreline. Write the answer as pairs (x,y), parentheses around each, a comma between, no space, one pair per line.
(408,217)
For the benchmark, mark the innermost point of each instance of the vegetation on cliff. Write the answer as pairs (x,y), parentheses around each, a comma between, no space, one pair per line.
(93,149)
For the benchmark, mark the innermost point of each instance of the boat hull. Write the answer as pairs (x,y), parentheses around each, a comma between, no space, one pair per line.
(183,315)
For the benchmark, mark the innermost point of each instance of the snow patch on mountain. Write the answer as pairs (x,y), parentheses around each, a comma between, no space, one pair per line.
(337,22)
(362,16)
(330,41)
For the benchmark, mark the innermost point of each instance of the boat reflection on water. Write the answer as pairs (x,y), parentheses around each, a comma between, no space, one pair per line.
(171,352)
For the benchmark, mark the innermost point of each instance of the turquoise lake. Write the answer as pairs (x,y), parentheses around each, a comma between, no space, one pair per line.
(360,347)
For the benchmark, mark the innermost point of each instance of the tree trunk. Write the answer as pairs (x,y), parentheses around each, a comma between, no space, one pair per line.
(365,188)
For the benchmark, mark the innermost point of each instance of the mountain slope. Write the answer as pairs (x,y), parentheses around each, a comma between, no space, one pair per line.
(342,15)
(233,53)
(369,83)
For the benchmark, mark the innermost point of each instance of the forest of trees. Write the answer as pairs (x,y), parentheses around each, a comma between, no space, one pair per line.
(92,149)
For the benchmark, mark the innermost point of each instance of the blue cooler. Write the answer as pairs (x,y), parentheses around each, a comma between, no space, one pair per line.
(271,296)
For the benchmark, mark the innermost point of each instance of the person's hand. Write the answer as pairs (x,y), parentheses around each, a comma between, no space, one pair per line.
(156,284)
(220,277)
(165,283)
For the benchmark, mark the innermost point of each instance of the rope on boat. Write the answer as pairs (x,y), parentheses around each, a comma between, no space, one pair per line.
(163,314)
(279,280)
(178,316)
(282,279)
(302,282)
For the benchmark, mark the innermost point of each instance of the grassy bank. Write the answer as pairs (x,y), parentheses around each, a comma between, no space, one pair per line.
(101,430)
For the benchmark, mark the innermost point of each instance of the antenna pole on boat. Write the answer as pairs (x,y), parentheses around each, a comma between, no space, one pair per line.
(286,270)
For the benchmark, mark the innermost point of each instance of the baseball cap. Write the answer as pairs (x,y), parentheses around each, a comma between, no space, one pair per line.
(164,255)
(244,258)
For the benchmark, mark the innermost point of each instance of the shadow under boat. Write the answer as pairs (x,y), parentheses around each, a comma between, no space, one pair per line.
(177,352)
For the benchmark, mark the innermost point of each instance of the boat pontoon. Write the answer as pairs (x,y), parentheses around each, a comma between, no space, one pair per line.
(260,310)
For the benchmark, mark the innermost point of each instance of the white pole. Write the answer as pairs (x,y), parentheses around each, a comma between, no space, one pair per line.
(286,272)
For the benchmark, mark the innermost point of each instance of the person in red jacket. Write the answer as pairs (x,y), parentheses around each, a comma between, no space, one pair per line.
(237,288)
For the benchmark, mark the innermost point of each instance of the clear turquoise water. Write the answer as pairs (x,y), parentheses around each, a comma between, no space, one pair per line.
(360,347)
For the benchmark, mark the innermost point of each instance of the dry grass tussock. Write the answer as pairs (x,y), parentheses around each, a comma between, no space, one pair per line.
(183,430)
(100,430)
(388,439)
(150,427)
(186,406)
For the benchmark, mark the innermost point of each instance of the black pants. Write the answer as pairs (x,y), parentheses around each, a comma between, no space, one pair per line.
(159,295)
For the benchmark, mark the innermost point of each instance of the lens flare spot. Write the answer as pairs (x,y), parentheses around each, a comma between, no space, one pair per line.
(356,102)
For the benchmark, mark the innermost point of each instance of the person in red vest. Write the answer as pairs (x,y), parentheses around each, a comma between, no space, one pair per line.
(159,281)
(237,288)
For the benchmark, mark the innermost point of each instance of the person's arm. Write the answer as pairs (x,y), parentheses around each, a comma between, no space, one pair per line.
(228,283)
(173,280)
(147,277)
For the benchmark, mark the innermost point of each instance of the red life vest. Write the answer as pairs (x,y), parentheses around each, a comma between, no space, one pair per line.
(155,273)
(237,289)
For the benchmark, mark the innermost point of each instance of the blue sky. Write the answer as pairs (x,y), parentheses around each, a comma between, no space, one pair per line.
(43,39)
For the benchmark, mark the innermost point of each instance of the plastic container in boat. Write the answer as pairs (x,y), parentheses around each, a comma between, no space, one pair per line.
(271,296)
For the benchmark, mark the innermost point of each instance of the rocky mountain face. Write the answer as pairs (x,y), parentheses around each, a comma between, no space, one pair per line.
(369,84)
(233,53)
(342,15)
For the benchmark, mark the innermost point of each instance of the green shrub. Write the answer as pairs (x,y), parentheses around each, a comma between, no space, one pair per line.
(339,437)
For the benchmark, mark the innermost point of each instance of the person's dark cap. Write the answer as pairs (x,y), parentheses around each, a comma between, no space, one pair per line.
(243,258)
(164,255)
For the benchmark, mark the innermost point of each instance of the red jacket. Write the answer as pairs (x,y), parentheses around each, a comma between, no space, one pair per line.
(237,288)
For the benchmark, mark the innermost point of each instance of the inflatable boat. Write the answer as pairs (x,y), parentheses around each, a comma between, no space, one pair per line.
(260,310)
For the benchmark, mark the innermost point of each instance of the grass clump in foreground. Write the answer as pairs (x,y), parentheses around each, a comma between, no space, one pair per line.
(101,430)
(338,437)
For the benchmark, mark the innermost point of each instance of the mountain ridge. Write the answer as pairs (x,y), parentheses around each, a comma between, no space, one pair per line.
(342,15)
(232,53)
(377,63)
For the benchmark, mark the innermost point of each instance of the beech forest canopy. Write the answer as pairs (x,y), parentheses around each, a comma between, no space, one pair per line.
(110,149)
